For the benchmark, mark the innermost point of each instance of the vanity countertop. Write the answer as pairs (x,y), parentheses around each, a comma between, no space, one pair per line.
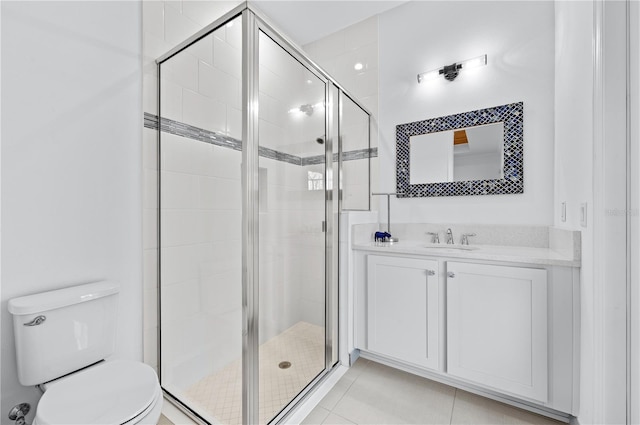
(512,254)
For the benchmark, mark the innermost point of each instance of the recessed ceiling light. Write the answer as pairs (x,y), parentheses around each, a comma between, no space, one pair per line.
(358,66)
(230,24)
(309,81)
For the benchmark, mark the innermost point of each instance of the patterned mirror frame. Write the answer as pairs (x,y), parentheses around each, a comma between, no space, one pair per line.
(511,183)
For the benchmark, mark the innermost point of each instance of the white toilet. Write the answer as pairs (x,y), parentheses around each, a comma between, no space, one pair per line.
(62,338)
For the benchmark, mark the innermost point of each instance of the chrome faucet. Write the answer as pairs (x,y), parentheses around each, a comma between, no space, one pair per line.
(434,237)
(450,237)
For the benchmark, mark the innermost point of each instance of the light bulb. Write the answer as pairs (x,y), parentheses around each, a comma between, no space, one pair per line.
(429,75)
(475,62)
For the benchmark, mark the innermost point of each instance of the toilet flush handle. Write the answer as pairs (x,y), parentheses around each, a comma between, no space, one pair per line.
(37,321)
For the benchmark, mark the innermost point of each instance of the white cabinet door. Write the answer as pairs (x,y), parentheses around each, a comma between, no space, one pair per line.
(402,309)
(497,327)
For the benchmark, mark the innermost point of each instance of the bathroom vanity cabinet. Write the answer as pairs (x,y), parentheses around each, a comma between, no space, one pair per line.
(497,327)
(504,329)
(403,309)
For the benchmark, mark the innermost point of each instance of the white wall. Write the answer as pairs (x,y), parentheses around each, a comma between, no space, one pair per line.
(590,167)
(573,164)
(635,208)
(610,216)
(518,38)
(71,176)
(0,196)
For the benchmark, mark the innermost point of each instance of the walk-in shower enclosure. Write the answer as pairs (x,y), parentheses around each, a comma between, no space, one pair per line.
(254,140)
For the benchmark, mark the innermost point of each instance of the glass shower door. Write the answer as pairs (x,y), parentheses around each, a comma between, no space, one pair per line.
(248,221)
(200,224)
(292,122)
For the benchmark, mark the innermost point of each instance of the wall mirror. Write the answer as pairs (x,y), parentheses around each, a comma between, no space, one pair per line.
(472,153)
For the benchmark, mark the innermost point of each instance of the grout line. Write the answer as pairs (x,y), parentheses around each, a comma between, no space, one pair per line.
(340,416)
(346,391)
(453,405)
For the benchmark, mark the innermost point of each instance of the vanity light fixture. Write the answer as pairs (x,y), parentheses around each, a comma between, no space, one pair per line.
(450,72)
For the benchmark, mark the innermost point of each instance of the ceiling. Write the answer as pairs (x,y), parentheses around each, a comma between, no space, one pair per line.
(305,21)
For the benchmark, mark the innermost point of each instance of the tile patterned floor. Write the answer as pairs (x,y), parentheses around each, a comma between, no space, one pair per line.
(220,394)
(371,393)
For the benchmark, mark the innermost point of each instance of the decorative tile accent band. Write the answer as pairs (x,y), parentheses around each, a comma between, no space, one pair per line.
(346,156)
(185,130)
(511,115)
(279,156)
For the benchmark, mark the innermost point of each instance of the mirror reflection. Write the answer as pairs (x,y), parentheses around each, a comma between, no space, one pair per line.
(472,153)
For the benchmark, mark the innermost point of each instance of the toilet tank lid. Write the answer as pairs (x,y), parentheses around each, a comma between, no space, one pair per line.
(59,298)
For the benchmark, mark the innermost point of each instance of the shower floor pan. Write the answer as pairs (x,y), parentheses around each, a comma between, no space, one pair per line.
(219,395)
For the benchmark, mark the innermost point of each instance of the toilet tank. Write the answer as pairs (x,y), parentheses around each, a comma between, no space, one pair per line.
(61,331)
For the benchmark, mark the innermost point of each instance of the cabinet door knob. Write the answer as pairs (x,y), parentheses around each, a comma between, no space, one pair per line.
(451,274)
(430,272)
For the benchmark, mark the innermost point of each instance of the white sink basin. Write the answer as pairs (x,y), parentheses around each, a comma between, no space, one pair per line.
(453,247)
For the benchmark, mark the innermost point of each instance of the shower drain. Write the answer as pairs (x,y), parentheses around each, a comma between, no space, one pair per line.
(284,365)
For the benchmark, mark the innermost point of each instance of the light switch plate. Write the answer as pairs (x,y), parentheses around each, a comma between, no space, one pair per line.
(563,211)
(583,214)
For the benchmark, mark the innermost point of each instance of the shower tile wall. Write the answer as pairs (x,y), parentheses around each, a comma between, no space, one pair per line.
(354,132)
(338,53)
(165,24)
(201,211)
(201,261)
(291,214)
(291,250)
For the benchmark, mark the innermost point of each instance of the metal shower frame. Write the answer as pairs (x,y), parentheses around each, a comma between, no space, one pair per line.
(254,22)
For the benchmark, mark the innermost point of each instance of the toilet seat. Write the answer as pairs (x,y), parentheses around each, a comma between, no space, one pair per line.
(115,393)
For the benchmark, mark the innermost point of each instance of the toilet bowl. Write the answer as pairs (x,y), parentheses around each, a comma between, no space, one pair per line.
(113,392)
(62,339)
